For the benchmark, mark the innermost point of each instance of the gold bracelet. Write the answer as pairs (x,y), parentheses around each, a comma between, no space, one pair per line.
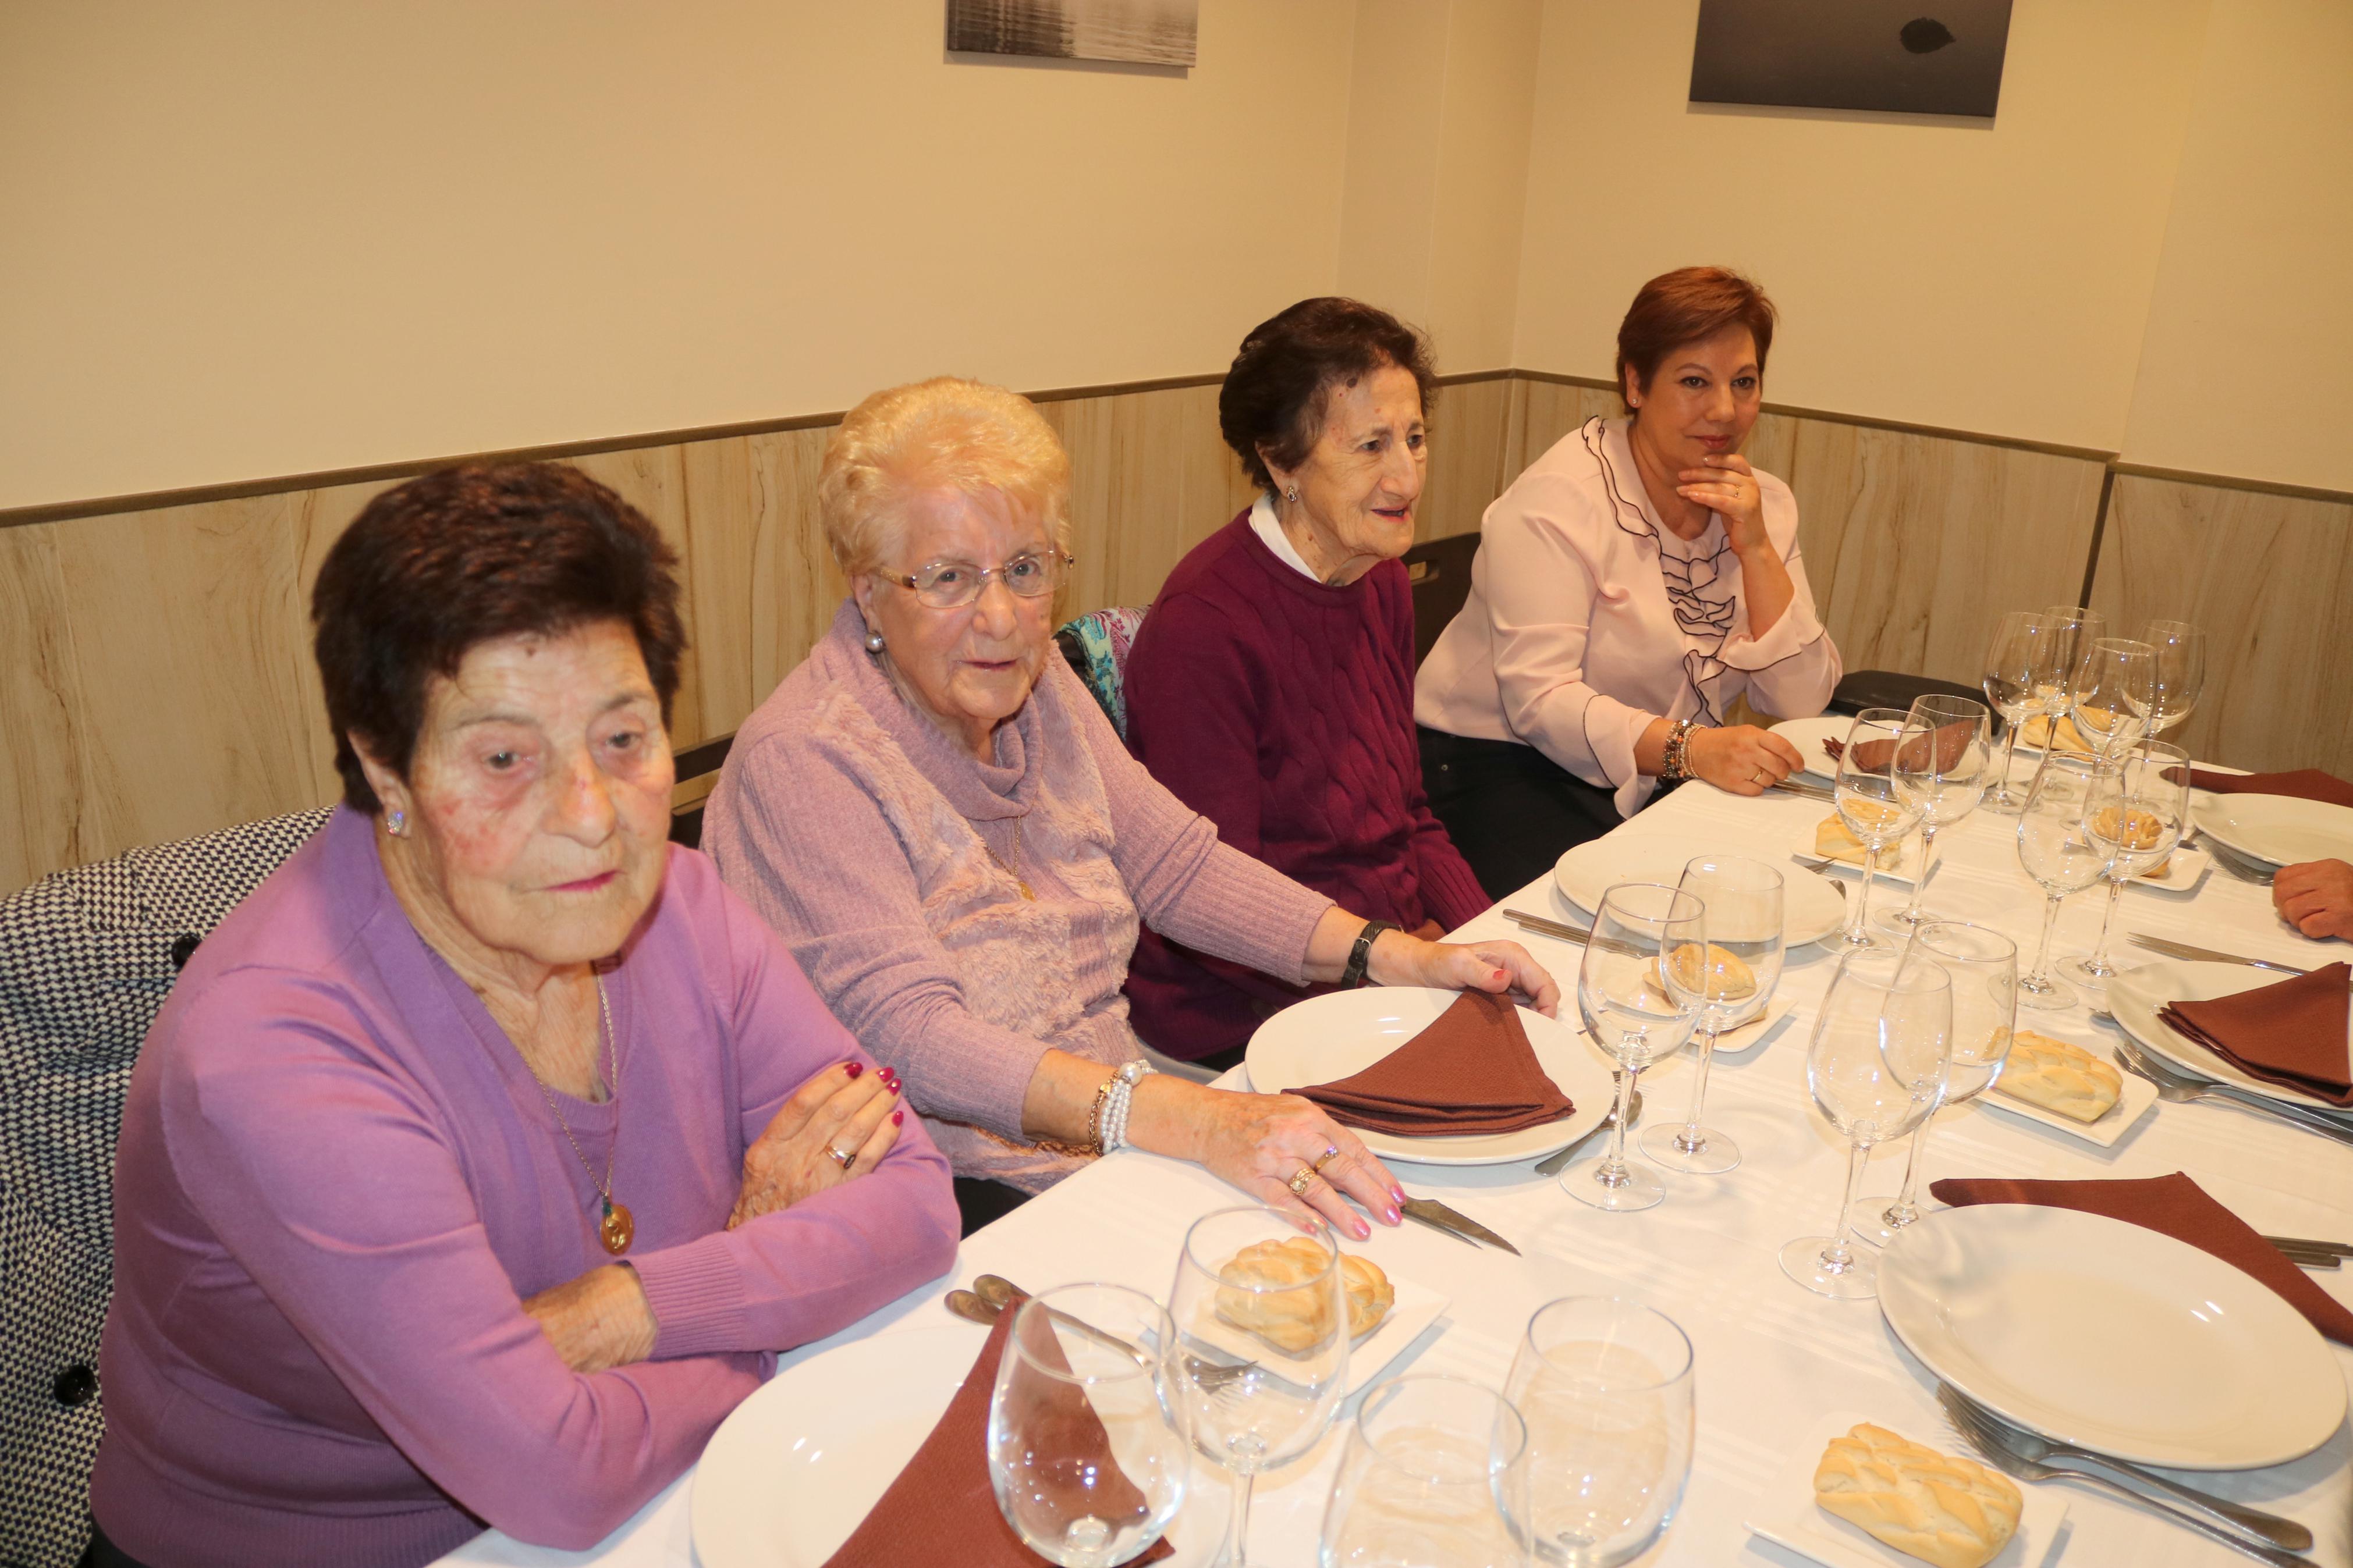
(1094,1147)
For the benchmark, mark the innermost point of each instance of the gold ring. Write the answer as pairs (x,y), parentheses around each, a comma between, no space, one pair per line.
(840,1158)
(1300,1182)
(1330,1153)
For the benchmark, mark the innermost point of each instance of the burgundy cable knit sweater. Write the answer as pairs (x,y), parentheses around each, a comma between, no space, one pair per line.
(1282,709)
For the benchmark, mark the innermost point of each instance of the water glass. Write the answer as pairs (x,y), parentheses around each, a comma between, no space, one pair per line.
(2138,816)
(2180,678)
(1605,1385)
(1871,809)
(1636,1010)
(2011,660)
(2059,852)
(1743,967)
(1942,766)
(1076,1385)
(1433,1469)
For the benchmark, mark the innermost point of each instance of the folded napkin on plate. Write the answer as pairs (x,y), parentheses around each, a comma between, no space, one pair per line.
(2292,1034)
(2173,1205)
(2305,783)
(1472,1071)
(942,1507)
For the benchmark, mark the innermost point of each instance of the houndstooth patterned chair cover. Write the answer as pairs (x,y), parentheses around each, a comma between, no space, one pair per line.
(86,957)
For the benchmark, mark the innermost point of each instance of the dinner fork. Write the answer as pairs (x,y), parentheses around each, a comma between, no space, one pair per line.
(1967,1419)
(2178,1088)
(1821,868)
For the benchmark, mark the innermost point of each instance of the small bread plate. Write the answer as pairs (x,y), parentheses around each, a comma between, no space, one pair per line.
(2274,829)
(2184,870)
(1901,865)
(1416,1308)
(800,1464)
(1808,735)
(2132,1101)
(1342,1032)
(2138,994)
(2111,1337)
(1811,909)
(1786,1514)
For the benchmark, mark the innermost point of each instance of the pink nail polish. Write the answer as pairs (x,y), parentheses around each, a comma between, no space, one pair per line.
(1396,1195)
(899,1119)
(894,1086)
(1394,1218)
(854,1068)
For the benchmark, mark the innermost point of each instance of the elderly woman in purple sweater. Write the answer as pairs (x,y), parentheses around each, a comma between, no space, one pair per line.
(483,1159)
(956,846)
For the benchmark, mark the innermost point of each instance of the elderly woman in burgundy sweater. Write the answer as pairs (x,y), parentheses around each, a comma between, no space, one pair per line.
(1272,686)
(960,852)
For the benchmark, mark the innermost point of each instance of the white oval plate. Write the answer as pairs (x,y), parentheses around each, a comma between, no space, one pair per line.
(2136,995)
(2111,1337)
(1342,1032)
(2276,830)
(1808,735)
(1812,907)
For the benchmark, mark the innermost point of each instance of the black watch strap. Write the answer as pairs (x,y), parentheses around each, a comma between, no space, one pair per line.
(1362,954)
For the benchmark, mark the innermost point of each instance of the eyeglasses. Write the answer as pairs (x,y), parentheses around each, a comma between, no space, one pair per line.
(952,585)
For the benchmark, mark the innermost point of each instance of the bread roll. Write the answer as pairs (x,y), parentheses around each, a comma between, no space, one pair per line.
(2059,1077)
(1953,1512)
(1298,1320)
(2036,732)
(1730,979)
(2143,831)
(1832,839)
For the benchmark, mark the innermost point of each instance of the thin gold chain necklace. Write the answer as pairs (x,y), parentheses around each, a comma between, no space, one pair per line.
(1012,870)
(616,1227)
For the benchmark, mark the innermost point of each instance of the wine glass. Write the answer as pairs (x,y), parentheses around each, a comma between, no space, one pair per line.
(1086,1467)
(2058,852)
(1882,1044)
(2113,693)
(1743,901)
(1636,1012)
(1941,767)
(1982,965)
(1605,1386)
(1871,809)
(2069,631)
(1434,1467)
(2138,815)
(2018,641)
(1279,1408)
(2179,672)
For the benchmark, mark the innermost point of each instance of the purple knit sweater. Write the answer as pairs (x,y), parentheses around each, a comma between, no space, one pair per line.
(1282,709)
(338,1181)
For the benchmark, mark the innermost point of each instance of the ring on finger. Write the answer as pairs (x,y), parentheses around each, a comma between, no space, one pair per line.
(1330,1153)
(1301,1180)
(840,1158)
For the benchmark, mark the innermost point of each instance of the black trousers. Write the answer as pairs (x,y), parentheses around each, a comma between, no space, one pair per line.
(1510,809)
(103,1553)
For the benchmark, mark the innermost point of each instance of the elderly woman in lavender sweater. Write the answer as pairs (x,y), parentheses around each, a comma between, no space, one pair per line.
(482,1158)
(958,850)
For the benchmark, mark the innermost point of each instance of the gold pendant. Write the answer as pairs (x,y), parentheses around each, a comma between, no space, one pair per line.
(618,1229)
(1025,889)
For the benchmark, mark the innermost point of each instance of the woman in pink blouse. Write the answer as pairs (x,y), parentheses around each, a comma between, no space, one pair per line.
(1633,582)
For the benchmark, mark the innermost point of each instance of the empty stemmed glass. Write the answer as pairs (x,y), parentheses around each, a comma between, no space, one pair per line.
(2138,814)
(1871,809)
(1876,1067)
(2178,672)
(2018,641)
(1071,1391)
(1744,946)
(1434,1468)
(1279,1407)
(2059,852)
(2068,633)
(2112,695)
(1605,1386)
(1982,965)
(1940,768)
(1636,1012)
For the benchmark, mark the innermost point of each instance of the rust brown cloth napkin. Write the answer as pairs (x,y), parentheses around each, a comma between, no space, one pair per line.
(2305,783)
(2292,1034)
(942,1509)
(1471,1072)
(2173,1205)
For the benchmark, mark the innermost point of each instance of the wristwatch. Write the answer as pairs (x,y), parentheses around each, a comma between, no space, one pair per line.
(1362,954)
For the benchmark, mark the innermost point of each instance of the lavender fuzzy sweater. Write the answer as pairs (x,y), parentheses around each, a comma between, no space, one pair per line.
(863,836)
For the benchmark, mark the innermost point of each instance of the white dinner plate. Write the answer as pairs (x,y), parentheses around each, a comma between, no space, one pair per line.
(2111,1337)
(2136,995)
(1342,1032)
(2275,829)
(1812,907)
(1900,865)
(1808,735)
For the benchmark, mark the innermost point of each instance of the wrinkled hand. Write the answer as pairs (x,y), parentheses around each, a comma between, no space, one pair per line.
(1741,758)
(1727,487)
(1258,1141)
(1495,965)
(845,1108)
(598,1320)
(2317,898)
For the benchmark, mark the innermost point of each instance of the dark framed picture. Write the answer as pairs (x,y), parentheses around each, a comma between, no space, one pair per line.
(1907,56)
(1138,32)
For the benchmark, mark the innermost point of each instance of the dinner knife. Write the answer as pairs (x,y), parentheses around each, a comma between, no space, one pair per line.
(2305,1243)
(2185,951)
(1811,792)
(1548,927)
(1461,1227)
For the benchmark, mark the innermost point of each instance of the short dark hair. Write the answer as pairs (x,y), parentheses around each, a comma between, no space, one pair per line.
(461,557)
(1686,306)
(1282,381)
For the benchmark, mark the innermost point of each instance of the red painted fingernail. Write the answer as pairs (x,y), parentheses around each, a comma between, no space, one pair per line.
(888,1076)
(853,1069)
(899,1118)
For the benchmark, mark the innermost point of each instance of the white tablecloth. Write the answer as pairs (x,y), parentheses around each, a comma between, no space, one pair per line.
(1771,1356)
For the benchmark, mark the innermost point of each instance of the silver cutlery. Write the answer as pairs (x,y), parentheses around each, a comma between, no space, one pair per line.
(2316,1261)
(1550,928)
(2245,871)
(992,1293)
(1453,1223)
(2186,952)
(1822,868)
(1554,1164)
(2305,1243)
(2178,1088)
(2017,1453)
(1808,791)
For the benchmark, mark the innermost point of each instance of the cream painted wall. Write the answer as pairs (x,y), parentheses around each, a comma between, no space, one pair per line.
(260,237)
(2248,369)
(1988,277)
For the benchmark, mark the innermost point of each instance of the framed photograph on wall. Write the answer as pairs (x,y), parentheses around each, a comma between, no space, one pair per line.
(1907,56)
(1137,32)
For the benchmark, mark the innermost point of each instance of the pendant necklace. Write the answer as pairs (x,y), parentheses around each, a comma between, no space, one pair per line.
(616,1227)
(1013,868)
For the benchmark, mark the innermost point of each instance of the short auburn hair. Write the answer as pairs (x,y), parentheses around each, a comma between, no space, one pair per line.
(463,556)
(942,434)
(1281,384)
(1684,307)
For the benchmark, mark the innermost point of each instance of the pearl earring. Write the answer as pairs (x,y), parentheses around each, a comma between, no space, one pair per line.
(874,642)
(396,822)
